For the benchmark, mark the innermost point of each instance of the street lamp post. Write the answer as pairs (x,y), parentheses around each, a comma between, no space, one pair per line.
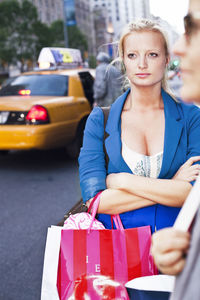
(65,25)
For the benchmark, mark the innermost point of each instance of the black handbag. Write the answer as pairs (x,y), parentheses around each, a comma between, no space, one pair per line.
(80,206)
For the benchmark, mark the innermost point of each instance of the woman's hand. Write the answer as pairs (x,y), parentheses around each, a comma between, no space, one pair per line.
(169,247)
(188,172)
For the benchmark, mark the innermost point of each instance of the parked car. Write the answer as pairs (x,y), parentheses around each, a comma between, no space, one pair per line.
(45,109)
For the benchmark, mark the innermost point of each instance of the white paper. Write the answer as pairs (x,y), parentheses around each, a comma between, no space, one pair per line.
(189,208)
(49,280)
(164,283)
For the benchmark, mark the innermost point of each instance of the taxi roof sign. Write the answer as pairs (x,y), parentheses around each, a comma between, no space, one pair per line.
(64,57)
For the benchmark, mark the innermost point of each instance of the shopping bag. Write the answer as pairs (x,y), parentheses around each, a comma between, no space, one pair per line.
(119,254)
(151,287)
(49,289)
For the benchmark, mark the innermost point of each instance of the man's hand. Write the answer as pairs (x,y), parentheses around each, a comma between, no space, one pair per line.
(169,247)
(188,171)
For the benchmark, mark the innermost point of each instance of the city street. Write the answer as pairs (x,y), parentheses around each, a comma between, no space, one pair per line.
(36,188)
(58,60)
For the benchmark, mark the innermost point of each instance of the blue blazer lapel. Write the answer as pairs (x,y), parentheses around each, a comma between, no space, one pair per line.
(113,129)
(173,131)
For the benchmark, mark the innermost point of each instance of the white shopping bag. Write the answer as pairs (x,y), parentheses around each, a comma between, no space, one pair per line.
(50,268)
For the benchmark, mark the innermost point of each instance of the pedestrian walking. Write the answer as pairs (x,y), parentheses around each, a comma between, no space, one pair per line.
(108,81)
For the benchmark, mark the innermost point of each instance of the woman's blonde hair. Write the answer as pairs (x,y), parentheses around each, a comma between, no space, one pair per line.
(143,25)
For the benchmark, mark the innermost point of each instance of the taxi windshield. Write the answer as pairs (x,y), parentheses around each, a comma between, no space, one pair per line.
(36,85)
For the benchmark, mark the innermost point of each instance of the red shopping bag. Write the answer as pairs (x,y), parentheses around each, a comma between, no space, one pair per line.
(120,255)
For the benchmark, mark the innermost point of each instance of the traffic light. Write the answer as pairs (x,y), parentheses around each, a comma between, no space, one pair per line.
(176,63)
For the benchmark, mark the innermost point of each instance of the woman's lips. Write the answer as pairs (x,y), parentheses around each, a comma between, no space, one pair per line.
(142,75)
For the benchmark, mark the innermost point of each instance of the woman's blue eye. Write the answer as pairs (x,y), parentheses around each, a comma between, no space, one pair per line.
(153,54)
(131,55)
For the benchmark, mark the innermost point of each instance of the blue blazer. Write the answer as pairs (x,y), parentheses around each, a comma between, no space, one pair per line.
(181,141)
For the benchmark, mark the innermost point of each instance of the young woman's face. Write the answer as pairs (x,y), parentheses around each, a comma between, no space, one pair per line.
(188,48)
(144,58)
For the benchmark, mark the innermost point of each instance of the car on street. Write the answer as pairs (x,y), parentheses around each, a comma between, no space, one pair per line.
(45,109)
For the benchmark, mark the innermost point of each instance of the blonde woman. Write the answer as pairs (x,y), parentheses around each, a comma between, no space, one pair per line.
(153,139)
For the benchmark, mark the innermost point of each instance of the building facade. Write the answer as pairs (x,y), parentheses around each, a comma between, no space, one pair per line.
(85,22)
(140,8)
(119,13)
(49,10)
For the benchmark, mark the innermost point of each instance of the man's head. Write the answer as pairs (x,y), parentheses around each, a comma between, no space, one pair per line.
(103,57)
(188,49)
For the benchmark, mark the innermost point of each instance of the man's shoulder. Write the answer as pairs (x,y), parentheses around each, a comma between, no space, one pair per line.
(102,66)
(114,70)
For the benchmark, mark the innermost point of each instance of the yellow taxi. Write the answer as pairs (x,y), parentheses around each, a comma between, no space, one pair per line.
(47,108)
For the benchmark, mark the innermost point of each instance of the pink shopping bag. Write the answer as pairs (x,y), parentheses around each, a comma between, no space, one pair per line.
(120,255)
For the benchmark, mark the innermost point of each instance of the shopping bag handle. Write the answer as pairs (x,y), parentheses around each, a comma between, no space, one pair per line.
(118,223)
(94,206)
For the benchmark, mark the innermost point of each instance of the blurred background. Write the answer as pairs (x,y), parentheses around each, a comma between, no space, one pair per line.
(38,186)
(89,25)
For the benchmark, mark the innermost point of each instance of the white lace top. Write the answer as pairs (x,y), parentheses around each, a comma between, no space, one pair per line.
(140,164)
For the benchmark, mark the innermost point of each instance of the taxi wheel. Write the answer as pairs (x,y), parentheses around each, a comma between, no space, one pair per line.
(73,148)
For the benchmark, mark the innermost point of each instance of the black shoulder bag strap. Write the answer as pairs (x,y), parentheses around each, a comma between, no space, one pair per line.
(106,111)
